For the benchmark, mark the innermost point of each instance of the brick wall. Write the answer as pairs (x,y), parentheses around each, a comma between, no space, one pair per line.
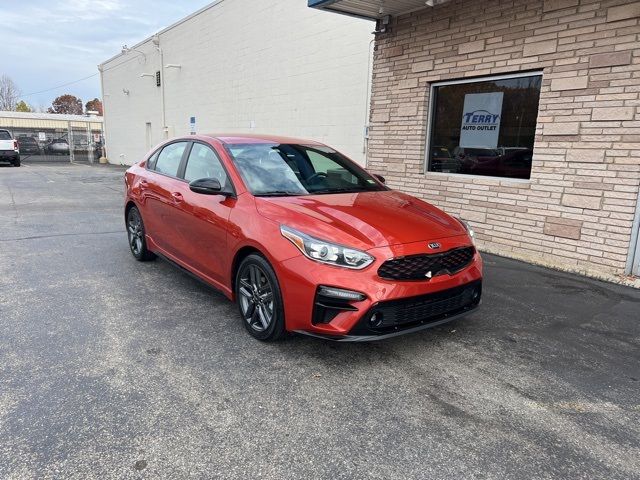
(577,210)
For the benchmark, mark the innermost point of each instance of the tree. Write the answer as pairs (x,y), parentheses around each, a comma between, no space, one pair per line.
(23,106)
(66,104)
(9,93)
(94,105)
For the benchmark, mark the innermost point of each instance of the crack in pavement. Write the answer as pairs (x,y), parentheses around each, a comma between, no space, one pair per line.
(37,237)
(13,204)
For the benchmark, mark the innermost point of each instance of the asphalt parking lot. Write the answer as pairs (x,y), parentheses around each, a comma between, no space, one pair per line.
(110,368)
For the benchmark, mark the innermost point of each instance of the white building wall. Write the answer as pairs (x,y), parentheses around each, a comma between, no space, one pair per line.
(245,66)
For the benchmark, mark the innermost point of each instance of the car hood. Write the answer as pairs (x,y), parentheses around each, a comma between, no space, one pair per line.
(362,220)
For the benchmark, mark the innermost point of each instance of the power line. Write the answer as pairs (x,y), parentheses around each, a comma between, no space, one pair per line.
(59,86)
(79,80)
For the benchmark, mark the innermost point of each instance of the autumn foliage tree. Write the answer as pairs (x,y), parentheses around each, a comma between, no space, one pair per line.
(66,104)
(94,105)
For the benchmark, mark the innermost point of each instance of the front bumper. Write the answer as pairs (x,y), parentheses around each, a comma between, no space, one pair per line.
(412,314)
(405,306)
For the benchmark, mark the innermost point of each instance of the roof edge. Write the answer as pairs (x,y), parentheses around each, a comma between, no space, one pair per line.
(165,29)
(51,116)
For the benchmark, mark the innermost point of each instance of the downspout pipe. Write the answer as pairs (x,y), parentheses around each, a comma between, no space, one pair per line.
(367,107)
(104,117)
(165,130)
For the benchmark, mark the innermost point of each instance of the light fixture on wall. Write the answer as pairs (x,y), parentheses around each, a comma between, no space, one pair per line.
(142,75)
(382,24)
(126,50)
(172,65)
(125,91)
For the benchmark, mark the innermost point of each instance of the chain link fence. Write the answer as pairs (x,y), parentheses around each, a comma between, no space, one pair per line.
(55,140)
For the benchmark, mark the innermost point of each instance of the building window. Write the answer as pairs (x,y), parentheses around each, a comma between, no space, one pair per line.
(484,127)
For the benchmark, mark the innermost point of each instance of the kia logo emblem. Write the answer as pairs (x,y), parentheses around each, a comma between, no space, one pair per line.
(434,245)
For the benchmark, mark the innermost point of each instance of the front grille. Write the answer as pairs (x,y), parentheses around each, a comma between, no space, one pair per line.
(406,313)
(417,267)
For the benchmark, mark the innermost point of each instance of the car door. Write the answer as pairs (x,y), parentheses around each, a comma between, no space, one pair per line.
(162,193)
(204,219)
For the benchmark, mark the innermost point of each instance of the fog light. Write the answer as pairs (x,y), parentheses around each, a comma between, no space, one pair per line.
(341,294)
(376,319)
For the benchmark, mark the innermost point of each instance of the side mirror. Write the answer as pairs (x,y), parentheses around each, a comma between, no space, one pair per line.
(207,186)
(380,178)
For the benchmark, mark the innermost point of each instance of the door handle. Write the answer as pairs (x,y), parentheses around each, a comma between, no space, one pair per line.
(177,197)
(144,184)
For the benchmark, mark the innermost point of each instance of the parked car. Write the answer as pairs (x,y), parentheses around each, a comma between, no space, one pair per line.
(28,145)
(515,163)
(57,146)
(506,150)
(302,238)
(469,156)
(9,149)
(443,161)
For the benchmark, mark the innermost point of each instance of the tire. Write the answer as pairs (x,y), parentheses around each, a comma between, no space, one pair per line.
(136,236)
(259,299)
(16,162)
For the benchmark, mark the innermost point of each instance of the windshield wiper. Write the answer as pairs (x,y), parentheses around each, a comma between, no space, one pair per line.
(279,193)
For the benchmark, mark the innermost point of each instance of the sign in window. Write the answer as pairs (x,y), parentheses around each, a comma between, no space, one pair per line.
(484,127)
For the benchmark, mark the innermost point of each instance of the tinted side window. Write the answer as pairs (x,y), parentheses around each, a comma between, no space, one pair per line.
(4,135)
(334,174)
(151,163)
(168,161)
(204,163)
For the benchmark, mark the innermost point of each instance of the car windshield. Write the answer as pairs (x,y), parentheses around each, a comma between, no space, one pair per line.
(272,169)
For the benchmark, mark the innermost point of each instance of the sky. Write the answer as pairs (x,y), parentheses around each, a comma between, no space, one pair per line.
(47,43)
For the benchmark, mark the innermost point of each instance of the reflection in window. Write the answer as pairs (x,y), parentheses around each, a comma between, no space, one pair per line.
(168,161)
(485,127)
(291,169)
(204,163)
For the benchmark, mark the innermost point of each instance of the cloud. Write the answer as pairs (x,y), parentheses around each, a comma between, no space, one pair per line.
(50,43)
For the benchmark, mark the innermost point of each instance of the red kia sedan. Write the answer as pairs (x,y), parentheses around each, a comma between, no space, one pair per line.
(301,237)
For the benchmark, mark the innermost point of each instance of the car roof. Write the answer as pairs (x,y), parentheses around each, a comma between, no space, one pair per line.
(240,138)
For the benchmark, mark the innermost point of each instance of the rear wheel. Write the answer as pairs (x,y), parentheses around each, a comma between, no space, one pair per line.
(16,162)
(259,298)
(136,235)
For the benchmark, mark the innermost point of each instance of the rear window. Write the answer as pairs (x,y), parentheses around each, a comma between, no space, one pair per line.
(4,135)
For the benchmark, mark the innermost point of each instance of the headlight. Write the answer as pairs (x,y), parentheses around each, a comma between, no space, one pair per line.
(326,252)
(468,228)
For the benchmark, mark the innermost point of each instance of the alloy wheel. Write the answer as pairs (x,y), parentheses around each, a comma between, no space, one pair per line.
(135,232)
(256,298)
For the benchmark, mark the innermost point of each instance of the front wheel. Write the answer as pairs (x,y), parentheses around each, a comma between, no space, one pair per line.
(259,298)
(136,235)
